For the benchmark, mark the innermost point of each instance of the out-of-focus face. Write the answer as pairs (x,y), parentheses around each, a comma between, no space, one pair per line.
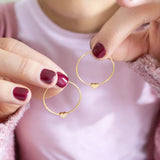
(83,16)
(79,8)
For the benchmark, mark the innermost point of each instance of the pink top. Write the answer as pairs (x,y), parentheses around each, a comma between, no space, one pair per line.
(110,121)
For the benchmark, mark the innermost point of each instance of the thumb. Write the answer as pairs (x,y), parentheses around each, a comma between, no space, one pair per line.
(119,27)
(133,3)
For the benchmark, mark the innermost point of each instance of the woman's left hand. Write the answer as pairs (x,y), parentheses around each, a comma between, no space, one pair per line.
(117,37)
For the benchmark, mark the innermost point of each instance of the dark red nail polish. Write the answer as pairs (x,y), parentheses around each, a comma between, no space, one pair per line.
(20,93)
(99,50)
(62,80)
(47,76)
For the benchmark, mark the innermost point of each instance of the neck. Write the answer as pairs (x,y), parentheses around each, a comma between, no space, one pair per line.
(83,24)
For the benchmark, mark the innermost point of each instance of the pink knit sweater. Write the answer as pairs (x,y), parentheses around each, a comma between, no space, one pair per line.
(146,66)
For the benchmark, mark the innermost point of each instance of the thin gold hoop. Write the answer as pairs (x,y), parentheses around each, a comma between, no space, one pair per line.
(94,85)
(62,114)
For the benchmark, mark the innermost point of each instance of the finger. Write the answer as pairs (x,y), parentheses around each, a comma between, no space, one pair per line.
(132,47)
(37,92)
(134,3)
(154,39)
(120,26)
(17,67)
(14,93)
(17,47)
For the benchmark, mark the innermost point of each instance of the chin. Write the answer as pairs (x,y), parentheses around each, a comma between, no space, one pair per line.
(78,14)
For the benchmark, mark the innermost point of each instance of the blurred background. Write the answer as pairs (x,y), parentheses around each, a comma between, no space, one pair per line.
(5,1)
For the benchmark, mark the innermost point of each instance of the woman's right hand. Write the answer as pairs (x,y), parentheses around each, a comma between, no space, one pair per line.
(25,73)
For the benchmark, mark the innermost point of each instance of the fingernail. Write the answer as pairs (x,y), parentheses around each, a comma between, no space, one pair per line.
(99,50)
(62,80)
(20,93)
(47,76)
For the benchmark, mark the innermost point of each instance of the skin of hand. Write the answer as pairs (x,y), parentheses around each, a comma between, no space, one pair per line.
(25,73)
(115,26)
(21,66)
(118,39)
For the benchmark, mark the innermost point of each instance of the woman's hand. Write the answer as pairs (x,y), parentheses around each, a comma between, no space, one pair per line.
(118,39)
(25,73)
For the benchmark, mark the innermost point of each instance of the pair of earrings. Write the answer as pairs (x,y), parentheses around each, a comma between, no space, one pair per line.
(93,85)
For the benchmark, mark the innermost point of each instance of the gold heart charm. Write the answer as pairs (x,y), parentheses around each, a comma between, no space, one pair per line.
(63,114)
(94,85)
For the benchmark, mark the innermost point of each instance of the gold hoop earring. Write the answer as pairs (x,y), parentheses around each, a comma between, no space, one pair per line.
(62,114)
(94,85)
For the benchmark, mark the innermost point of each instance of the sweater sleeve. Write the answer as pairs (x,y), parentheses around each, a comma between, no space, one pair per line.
(8,28)
(7,151)
(149,69)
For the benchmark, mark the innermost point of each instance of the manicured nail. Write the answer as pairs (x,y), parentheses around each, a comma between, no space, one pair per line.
(62,80)
(47,76)
(20,93)
(99,50)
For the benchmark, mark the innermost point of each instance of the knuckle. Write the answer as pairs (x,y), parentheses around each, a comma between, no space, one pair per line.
(23,66)
(2,85)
